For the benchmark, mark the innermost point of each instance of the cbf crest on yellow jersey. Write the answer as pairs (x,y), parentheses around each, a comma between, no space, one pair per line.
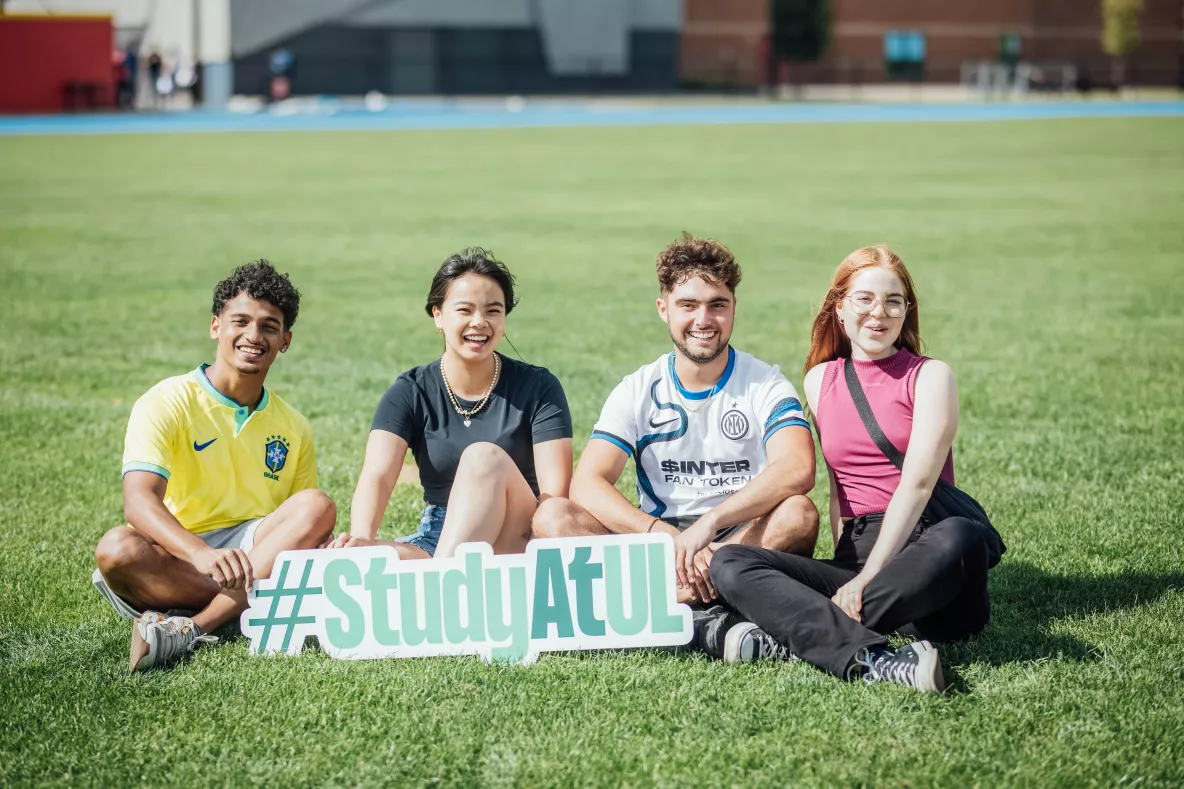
(224,463)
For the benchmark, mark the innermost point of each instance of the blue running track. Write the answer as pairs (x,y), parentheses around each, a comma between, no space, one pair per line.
(408,114)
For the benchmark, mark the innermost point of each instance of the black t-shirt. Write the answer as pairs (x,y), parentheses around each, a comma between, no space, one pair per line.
(527,407)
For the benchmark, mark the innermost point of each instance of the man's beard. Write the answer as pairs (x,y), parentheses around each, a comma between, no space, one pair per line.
(702,356)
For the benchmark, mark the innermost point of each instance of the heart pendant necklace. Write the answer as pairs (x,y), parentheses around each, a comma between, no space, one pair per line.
(469,413)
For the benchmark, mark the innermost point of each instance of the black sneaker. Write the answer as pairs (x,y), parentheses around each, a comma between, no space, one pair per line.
(915,665)
(747,643)
(711,622)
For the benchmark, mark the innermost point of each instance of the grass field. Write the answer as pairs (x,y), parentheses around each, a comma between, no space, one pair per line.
(1049,258)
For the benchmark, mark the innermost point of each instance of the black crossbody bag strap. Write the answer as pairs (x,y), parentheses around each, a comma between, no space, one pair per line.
(947,500)
(869,419)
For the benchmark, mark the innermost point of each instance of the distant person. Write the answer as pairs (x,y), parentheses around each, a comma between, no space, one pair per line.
(219,476)
(491,435)
(155,72)
(282,65)
(166,83)
(893,569)
(185,77)
(119,76)
(722,449)
(197,89)
(131,63)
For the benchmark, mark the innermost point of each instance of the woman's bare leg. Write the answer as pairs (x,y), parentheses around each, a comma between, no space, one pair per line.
(490,502)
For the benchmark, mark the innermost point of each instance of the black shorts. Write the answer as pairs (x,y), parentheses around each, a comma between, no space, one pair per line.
(682,524)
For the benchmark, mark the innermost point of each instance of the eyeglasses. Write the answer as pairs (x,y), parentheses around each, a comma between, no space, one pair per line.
(863,302)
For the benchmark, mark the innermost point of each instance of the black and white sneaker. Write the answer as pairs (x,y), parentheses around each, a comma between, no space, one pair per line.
(711,623)
(747,643)
(914,665)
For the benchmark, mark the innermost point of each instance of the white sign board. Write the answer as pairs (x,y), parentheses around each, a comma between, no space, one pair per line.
(561,595)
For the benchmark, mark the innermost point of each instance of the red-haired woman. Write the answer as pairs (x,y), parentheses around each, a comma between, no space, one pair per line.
(893,571)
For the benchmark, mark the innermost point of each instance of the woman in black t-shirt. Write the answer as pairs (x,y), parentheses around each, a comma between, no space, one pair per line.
(491,435)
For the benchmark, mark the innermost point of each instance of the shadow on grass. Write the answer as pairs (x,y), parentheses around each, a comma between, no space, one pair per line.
(1027,602)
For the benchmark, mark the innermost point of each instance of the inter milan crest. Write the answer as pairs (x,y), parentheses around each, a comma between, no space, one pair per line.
(734,425)
(275,453)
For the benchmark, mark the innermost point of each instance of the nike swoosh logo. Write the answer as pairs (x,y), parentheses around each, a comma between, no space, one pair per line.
(663,424)
(199,447)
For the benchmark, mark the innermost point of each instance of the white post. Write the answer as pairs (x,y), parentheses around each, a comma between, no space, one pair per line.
(217,69)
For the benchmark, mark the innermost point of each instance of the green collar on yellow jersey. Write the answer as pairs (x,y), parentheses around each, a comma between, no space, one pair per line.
(241,412)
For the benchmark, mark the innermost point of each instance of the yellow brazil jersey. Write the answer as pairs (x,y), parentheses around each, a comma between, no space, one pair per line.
(223,463)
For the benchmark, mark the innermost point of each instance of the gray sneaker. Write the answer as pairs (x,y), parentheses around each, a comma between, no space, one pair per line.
(914,665)
(158,640)
(747,643)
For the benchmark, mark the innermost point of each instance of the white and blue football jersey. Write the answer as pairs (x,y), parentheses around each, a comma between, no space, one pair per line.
(694,449)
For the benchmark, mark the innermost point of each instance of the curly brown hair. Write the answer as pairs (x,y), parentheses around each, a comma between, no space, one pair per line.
(690,256)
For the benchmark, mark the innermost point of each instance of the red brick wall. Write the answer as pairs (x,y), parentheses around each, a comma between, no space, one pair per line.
(723,40)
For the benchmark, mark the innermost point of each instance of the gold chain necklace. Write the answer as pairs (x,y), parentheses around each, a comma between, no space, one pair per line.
(472,412)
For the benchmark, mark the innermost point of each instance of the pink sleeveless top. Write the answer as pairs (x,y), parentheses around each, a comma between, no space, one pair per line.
(864,478)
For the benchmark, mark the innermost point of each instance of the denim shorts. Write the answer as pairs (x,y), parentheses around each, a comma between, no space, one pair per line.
(428,536)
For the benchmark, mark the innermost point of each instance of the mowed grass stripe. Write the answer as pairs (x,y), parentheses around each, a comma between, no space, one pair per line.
(1047,256)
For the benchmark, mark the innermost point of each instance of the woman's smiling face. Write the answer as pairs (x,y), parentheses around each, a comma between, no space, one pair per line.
(472,317)
(874,332)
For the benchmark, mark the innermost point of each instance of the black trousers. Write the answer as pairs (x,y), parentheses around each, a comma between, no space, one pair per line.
(935,588)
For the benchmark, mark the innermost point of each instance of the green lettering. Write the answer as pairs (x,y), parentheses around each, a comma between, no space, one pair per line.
(470,579)
(515,631)
(413,634)
(379,585)
(614,585)
(582,571)
(550,583)
(338,573)
(659,603)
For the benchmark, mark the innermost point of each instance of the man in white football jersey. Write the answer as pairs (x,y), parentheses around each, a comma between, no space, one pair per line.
(721,446)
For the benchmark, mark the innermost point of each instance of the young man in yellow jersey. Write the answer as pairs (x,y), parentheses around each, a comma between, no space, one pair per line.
(219,477)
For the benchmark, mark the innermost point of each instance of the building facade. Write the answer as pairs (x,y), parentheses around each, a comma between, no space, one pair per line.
(724,42)
(451,47)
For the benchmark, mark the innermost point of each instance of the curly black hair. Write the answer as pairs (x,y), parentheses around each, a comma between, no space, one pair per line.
(473,260)
(259,280)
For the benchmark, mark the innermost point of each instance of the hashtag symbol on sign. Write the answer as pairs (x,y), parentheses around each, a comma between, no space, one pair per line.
(289,623)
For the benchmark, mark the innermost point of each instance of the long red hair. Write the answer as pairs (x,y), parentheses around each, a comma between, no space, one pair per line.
(828,340)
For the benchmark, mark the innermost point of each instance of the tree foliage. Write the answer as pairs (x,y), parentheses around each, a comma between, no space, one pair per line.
(1120,26)
(799,29)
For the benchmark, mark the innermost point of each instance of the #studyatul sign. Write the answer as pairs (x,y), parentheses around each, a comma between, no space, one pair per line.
(579,593)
